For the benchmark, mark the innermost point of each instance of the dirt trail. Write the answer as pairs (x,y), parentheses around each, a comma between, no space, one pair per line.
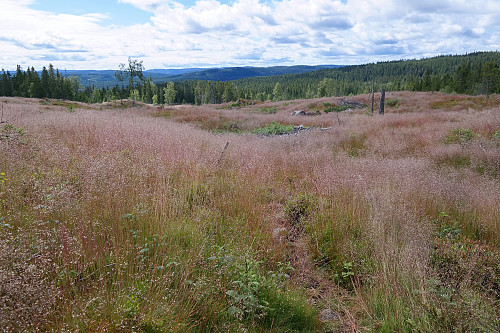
(320,287)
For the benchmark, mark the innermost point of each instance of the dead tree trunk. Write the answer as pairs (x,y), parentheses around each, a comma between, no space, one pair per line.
(373,94)
(382,102)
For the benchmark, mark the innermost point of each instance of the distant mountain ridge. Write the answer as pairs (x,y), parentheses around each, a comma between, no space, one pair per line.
(106,78)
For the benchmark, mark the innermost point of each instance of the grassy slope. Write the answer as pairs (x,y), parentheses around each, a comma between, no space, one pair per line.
(119,220)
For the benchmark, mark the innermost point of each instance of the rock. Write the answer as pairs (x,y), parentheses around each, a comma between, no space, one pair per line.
(328,315)
(280,233)
(304,113)
(351,103)
(313,113)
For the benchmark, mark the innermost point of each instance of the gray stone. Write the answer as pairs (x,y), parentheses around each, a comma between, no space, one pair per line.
(280,233)
(329,315)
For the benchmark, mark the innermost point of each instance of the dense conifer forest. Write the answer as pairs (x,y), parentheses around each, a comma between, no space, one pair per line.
(475,73)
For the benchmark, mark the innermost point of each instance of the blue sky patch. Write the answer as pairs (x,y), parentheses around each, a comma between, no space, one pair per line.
(121,14)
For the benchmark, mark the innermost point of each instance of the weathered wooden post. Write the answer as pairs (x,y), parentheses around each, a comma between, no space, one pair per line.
(382,101)
(222,154)
(373,93)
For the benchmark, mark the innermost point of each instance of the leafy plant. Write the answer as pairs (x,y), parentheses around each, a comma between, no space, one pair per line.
(244,296)
(459,135)
(273,128)
(347,271)
(344,275)
(250,285)
(9,128)
(263,298)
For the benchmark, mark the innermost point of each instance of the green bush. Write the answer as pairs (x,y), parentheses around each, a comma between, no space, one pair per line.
(273,128)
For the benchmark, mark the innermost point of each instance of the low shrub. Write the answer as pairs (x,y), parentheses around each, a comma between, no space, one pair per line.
(466,284)
(273,128)
(9,132)
(263,298)
(455,159)
(354,145)
(459,135)
(394,102)
(338,108)
(464,262)
(268,110)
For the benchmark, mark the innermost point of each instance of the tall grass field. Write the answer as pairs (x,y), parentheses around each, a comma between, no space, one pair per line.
(234,218)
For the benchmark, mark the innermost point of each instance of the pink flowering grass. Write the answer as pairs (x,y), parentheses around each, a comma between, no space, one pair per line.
(137,219)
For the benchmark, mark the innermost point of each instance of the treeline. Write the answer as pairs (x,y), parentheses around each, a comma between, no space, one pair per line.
(475,73)
(50,83)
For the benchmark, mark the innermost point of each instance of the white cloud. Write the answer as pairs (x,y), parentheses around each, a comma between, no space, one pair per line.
(250,32)
(147,5)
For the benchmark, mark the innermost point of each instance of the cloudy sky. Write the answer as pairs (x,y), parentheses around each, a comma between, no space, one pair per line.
(100,34)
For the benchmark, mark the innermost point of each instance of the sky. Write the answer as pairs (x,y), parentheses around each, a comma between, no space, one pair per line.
(101,34)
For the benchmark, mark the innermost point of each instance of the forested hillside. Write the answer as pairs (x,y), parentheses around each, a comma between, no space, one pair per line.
(475,73)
